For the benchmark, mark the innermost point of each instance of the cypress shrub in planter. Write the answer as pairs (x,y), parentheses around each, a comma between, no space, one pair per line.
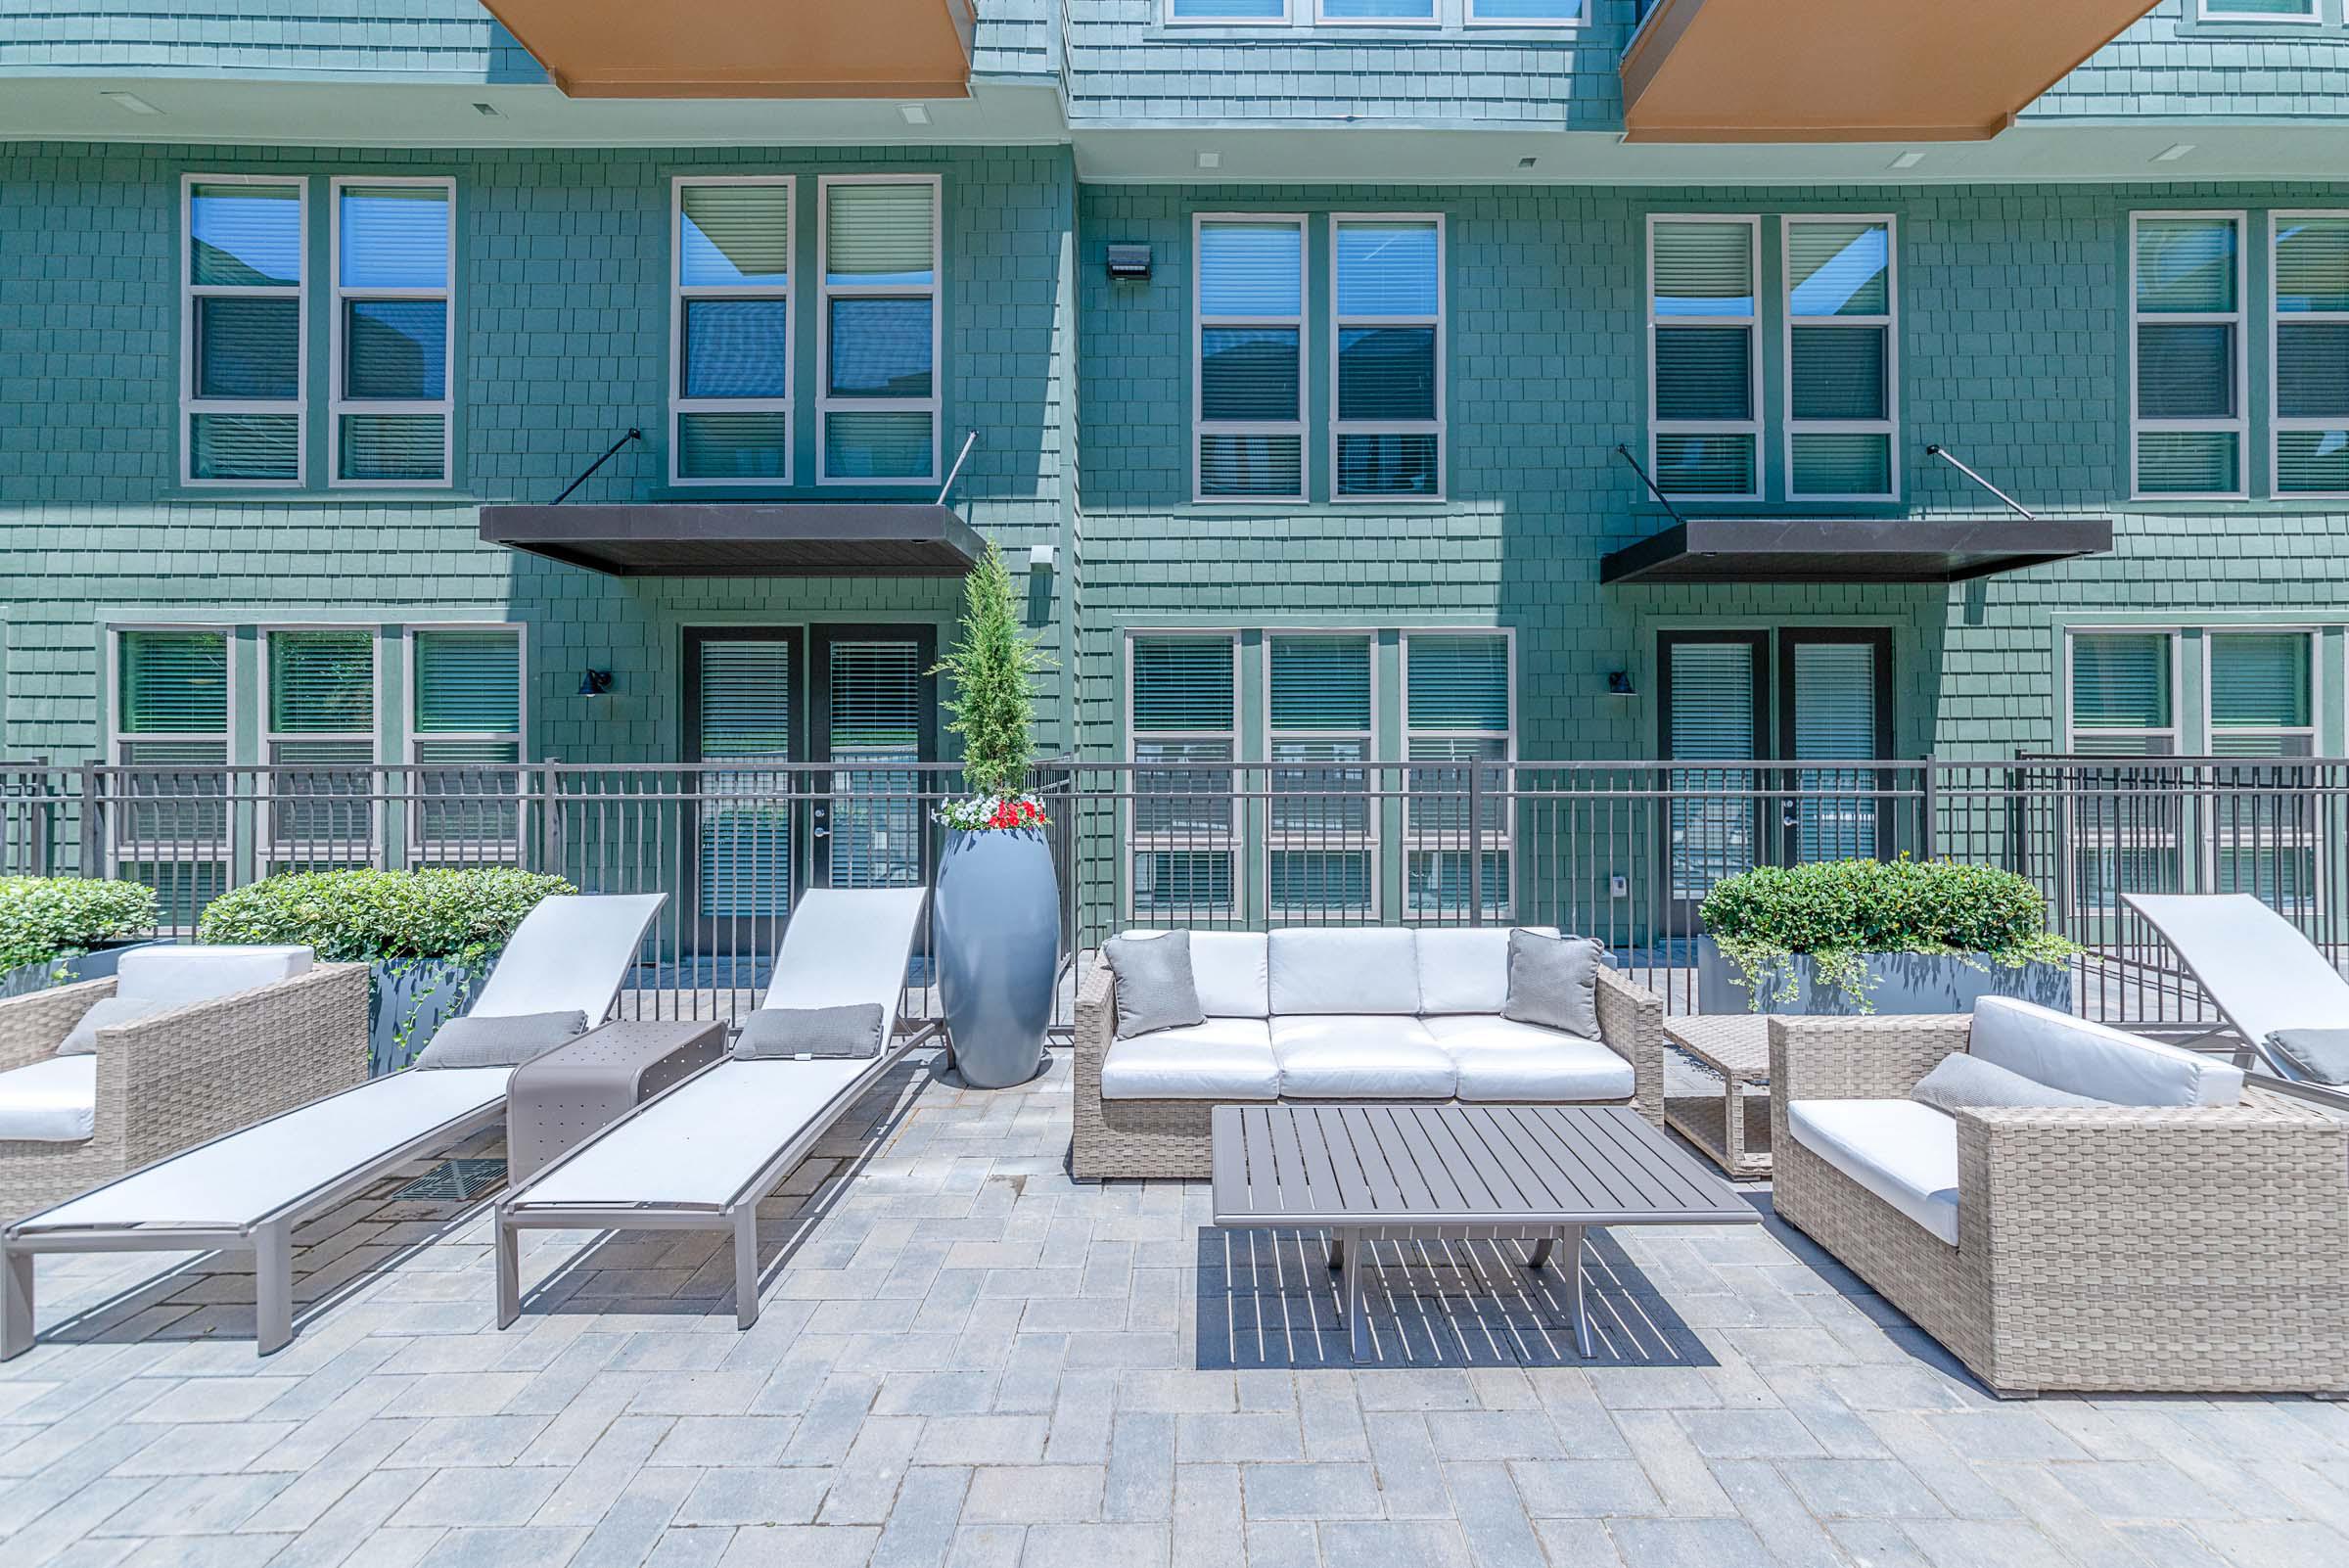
(430,937)
(48,922)
(1866,936)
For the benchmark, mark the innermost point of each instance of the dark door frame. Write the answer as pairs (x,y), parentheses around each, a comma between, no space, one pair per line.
(1679,915)
(818,685)
(1790,638)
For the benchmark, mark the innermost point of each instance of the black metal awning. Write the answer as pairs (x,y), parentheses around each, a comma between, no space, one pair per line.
(1844,549)
(743,539)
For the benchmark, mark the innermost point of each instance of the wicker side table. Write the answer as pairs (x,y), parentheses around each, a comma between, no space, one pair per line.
(1733,1128)
(554,1102)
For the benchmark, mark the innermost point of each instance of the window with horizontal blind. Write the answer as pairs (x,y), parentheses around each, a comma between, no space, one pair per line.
(730,353)
(1228,13)
(465,731)
(1842,373)
(1457,726)
(1183,715)
(2260,686)
(243,332)
(1711,710)
(2122,701)
(2257,10)
(1835,683)
(392,402)
(170,827)
(1704,401)
(2309,282)
(1387,356)
(2187,418)
(877,356)
(320,744)
(1525,13)
(1248,395)
(171,696)
(2261,689)
(1321,861)
(1377,13)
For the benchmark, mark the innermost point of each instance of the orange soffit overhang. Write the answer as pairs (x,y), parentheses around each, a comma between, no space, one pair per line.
(748,48)
(1853,70)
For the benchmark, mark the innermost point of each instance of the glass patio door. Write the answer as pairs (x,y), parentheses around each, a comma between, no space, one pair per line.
(1835,705)
(874,711)
(1712,705)
(743,725)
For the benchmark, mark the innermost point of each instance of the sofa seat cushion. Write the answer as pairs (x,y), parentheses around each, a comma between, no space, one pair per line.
(1220,1059)
(1351,970)
(53,1100)
(1501,1060)
(2086,1058)
(1361,1056)
(1902,1152)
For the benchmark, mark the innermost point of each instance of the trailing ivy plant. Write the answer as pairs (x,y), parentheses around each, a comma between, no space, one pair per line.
(44,920)
(992,664)
(1837,912)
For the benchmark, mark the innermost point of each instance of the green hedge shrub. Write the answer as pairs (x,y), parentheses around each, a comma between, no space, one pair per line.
(380,916)
(42,918)
(1837,911)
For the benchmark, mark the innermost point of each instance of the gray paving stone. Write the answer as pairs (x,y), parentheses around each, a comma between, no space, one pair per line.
(1585,1487)
(755,1496)
(923,1520)
(1690,1544)
(1210,1529)
(1410,1476)
(1238,1438)
(1139,1484)
(1421,1544)
(1860,1489)
(458,1498)
(1984,1544)
(1034,1493)
(1311,1490)
(865,1486)
(526,1547)
(1280,1544)
(799,1547)
(1491,1517)
(1125,1544)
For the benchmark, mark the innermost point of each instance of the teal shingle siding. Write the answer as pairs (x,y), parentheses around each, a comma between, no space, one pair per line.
(446,40)
(2173,65)
(563,303)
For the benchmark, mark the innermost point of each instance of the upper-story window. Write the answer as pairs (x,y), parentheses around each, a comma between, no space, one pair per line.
(2309,273)
(243,332)
(393,348)
(1257,13)
(877,393)
(1377,13)
(1248,396)
(1388,357)
(730,371)
(1705,397)
(1841,380)
(1362,14)
(2257,11)
(1525,13)
(2187,342)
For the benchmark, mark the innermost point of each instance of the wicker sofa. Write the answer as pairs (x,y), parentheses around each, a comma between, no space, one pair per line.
(2195,1240)
(172,1080)
(1341,1013)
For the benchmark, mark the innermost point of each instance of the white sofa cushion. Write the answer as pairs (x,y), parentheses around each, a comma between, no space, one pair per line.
(53,1100)
(179,975)
(1902,1152)
(2080,1057)
(1501,1060)
(1465,971)
(1379,1056)
(1369,969)
(1221,1059)
(1229,970)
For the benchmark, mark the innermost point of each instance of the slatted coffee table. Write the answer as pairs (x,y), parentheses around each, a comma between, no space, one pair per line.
(1551,1171)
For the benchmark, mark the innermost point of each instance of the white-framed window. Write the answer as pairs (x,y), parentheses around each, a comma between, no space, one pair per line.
(318,739)
(1526,13)
(1183,706)
(392,403)
(244,329)
(2125,822)
(730,328)
(1459,721)
(1842,357)
(467,715)
(1226,12)
(2188,372)
(878,328)
(1321,847)
(1375,13)
(2309,360)
(172,713)
(1248,386)
(2121,693)
(1385,356)
(2263,821)
(2300,11)
(2260,688)
(1704,365)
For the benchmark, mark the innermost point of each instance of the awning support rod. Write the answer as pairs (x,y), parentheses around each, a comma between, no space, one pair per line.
(633,435)
(969,441)
(2013,505)
(1625,453)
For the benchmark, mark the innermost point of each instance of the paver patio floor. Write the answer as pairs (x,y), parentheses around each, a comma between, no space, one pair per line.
(967,1358)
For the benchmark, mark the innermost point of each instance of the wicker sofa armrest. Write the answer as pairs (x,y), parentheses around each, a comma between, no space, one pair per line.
(35,1025)
(1875,1056)
(1631,1024)
(180,1078)
(1096,1028)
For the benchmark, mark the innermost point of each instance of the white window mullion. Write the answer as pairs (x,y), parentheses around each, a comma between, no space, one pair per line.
(230,223)
(732,253)
(2309,448)
(1254,458)
(928,283)
(1681,447)
(2160,436)
(1819,303)
(1409,470)
(349,411)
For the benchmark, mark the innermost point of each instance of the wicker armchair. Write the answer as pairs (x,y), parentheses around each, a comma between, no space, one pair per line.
(1168,1139)
(2193,1250)
(176,1078)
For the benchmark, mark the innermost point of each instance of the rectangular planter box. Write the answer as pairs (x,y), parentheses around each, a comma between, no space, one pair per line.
(1898,983)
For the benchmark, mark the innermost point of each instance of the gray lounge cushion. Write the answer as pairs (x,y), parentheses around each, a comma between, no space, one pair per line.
(2321,1055)
(1963,1080)
(502,1041)
(855,1031)
(1554,981)
(108,1012)
(1155,987)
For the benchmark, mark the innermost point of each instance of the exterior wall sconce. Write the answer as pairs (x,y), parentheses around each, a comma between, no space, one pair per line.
(1619,684)
(1130,262)
(595,682)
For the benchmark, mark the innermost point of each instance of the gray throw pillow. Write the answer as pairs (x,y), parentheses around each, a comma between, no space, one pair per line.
(108,1012)
(1963,1080)
(507,1041)
(794,1033)
(1554,981)
(1155,986)
(2319,1054)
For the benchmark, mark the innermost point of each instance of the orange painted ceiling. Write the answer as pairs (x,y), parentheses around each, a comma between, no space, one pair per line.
(746,48)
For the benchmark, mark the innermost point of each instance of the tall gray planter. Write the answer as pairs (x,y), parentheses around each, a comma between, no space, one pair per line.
(1898,983)
(995,919)
(407,1001)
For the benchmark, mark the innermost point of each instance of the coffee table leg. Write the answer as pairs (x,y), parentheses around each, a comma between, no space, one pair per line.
(1347,1245)
(1572,1235)
(1540,1252)
(1337,1249)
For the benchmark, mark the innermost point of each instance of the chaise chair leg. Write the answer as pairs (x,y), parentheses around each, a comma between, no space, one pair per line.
(509,1271)
(746,1266)
(272,1286)
(16,1315)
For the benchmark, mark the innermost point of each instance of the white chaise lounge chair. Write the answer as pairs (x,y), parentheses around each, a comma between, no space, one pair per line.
(2261,973)
(249,1189)
(702,1154)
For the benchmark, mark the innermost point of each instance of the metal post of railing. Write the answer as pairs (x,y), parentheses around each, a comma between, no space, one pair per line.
(93,840)
(1476,845)
(1926,836)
